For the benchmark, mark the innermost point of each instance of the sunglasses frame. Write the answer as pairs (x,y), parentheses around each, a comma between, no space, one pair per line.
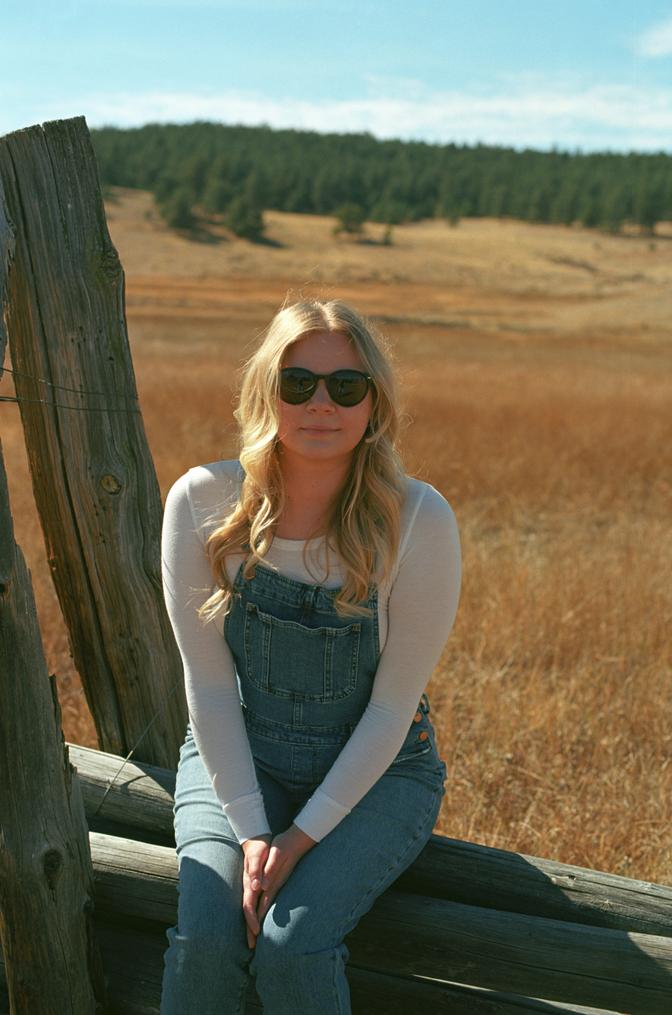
(316,378)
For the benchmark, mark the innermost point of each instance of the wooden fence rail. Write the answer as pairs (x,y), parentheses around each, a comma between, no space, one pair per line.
(532,929)
(462,912)
(136,800)
(418,935)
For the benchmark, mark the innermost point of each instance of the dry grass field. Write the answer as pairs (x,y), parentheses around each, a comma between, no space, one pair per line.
(536,368)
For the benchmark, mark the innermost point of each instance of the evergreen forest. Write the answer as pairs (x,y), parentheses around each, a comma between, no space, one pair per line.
(237,172)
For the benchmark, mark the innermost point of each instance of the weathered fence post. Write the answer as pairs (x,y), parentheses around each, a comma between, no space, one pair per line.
(46,877)
(93,478)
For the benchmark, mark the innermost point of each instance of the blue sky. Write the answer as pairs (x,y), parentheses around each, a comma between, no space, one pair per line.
(593,75)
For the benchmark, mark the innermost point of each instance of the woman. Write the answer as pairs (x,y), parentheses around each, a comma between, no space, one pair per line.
(309,778)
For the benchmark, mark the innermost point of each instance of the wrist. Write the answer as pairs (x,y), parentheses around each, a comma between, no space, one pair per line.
(254,840)
(302,839)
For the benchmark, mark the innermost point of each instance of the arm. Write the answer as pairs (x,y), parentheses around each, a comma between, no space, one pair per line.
(422,607)
(209,671)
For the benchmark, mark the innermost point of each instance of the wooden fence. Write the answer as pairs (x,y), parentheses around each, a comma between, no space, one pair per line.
(88,871)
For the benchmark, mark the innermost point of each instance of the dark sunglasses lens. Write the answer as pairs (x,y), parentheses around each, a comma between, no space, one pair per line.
(296,385)
(347,387)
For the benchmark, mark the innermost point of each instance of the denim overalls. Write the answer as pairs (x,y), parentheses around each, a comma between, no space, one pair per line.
(305,677)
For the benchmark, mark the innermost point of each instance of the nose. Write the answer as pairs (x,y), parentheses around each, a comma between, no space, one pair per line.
(321,396)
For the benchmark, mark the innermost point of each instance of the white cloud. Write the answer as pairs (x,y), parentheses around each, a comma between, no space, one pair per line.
(655,41)
(617,117)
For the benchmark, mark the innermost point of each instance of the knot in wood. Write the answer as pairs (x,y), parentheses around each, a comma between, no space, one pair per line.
(110,265)
(110,483)
(52,861)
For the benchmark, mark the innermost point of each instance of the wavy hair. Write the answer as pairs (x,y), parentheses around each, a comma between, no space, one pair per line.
(363,522)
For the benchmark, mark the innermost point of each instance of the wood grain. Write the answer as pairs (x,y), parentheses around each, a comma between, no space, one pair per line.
(93,478)
(46,878)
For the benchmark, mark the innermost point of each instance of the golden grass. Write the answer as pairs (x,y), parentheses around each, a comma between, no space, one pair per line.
(553,693)
(552,442)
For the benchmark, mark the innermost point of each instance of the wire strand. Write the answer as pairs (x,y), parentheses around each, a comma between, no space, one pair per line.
(59,405)
(62,387)
(52,384)
(84,408)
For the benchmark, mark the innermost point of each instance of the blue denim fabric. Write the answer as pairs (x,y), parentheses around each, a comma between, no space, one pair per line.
(305,677)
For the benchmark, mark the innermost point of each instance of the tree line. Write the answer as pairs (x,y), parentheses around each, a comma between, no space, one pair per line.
(238,172)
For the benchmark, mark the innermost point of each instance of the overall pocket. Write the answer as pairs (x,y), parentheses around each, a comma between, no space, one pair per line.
(291,660)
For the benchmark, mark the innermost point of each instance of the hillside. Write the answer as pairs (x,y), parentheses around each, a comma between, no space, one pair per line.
(485,275)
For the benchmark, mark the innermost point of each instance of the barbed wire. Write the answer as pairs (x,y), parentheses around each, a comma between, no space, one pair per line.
(85,408)
(62,387)
(60,405)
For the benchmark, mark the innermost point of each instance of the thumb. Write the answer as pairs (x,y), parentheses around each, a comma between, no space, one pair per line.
(273,862)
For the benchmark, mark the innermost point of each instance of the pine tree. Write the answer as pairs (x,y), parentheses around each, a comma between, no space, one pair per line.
(350,218)
(647,205)
(176,210)
(392,180)
(217,195)
(612,213)
(244,218)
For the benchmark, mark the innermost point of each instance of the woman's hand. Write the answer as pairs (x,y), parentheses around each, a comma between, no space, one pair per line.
(286,850)
(256,855)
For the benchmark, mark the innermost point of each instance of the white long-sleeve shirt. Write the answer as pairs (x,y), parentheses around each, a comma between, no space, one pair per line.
(417,608)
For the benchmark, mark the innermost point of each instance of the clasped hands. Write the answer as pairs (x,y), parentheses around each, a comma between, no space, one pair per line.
(268,864)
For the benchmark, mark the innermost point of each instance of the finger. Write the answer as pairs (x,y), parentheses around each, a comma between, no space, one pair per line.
(271,868)
(247,880)
(266,901)
(250,904)
(252,922)
(264,905)
(255,868)
(276,873)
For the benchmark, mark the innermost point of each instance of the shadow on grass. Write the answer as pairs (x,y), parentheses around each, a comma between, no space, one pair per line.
(206,235)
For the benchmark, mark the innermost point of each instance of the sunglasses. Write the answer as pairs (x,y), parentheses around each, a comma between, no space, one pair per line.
(345,387)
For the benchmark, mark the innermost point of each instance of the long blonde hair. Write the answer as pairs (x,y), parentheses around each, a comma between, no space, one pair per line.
(363,524)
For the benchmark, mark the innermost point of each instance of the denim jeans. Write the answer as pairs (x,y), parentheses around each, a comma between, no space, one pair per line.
(298,714)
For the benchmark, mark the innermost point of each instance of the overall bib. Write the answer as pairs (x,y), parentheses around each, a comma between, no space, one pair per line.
(305,676)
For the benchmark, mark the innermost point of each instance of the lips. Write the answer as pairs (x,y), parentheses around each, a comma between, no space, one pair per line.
(319,429)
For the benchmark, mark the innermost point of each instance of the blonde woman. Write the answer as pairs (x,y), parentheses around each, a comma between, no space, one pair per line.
(311,586)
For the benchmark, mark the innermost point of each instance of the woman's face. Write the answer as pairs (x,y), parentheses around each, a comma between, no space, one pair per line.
(340,427)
